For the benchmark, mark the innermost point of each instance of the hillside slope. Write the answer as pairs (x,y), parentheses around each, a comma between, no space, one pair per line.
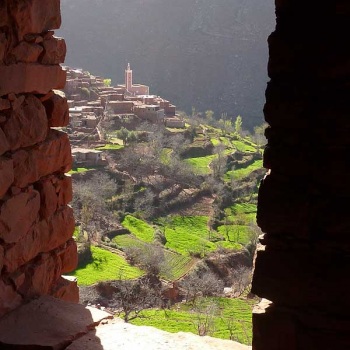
(202,53)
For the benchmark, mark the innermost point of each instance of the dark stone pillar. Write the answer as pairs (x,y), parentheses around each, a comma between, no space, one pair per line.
(303,261)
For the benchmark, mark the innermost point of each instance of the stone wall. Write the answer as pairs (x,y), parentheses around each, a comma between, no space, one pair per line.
(303,261)
(36,224)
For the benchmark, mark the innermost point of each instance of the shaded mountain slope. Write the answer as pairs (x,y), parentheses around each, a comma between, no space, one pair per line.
(202,53)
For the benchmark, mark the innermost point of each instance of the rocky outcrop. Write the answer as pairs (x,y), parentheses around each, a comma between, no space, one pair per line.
(303,261)
(36,223)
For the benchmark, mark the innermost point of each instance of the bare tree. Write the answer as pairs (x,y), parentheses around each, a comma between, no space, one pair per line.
(144,204)
(201,284)
(133,296)
(219,164)
(91,202)
(204,317)
(241,277)
(149,257)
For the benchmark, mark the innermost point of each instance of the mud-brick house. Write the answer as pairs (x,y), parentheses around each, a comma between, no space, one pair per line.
(87,157)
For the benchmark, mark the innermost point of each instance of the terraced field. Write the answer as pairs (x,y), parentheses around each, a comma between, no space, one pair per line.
(189,235)
(239,174)
(139,228)
(201,164)
(105,266)
(176,265)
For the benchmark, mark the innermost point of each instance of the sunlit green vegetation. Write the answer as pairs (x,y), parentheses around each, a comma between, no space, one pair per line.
(201,164)
(80,170)
(239,174)
(235,233)
(110,147)
(191,235)
(176,264)
(139,228)
(105,266)
(234,314)
(244,146)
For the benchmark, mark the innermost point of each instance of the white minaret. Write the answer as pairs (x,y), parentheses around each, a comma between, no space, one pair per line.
(128,78)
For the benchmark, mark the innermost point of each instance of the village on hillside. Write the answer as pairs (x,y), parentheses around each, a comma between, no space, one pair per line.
(94,103)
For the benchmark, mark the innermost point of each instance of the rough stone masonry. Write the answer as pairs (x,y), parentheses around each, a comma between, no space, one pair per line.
(36,223)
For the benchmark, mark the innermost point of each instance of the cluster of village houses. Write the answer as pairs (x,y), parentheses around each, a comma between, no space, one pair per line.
(128,104)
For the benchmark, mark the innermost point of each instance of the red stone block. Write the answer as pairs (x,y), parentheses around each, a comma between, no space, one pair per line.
(69,257)
(67,289)
(26,249)
(3,14)
(26,52)
(57,109)
(65,191)
(9,298)
(54,51)
(4,145)
(31,78)
(18,214)
(1,257)
(6,175)
(35,16)
(44,237)
(61,227)
(4,104)
(45,273)
(48,196)
(27,124)
(3,46)
(52,155)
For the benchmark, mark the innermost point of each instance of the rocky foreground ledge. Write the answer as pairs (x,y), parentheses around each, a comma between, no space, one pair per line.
(48,323)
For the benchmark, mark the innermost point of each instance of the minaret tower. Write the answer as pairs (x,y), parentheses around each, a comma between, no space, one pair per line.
(128,78)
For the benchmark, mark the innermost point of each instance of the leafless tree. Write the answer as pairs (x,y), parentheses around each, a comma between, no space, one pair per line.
(133,296)
(241,278)
(149,257)
(219,164)
(201,284)
(144,204)
(204,317)
(91,201)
